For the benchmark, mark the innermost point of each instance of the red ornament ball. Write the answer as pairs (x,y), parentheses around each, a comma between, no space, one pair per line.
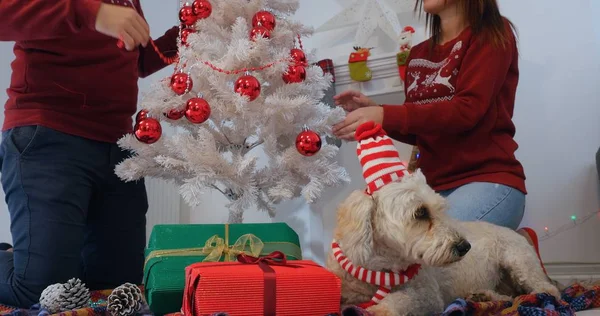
(248,86)
(148,130)
(197,110)
(298,56)
(202,9)
(187,16)
(175,114)
(181,83)
(185,33)
(142,114)
(308,143)
(264,18)
(259,31)
(295,74)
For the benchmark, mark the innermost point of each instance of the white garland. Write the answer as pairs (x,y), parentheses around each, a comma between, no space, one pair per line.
(221,153)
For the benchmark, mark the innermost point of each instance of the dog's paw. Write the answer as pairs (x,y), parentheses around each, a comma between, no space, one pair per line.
(380,310)
(550,290)
(487,296)
(479,297)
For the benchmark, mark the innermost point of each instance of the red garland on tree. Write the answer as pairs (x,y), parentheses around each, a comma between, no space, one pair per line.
(142,114)
(308,142)
(264,18)
(202,9)
(148,130)
(181,83)
(259,31)
(187,16)
(185,33)
(175,114)
(298,56)
(248,85)
(197,110)
(294,74)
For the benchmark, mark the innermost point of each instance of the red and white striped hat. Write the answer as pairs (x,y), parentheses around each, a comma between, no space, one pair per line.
(378,156)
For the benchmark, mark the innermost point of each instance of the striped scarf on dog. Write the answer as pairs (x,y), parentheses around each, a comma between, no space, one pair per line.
(385,280)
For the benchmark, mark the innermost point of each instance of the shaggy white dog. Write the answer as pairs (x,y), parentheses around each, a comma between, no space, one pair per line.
(403,224)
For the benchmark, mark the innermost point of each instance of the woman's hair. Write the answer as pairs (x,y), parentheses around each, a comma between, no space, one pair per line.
(482,15)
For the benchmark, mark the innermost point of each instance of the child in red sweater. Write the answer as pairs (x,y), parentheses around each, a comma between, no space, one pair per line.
(72,95)
(460,91)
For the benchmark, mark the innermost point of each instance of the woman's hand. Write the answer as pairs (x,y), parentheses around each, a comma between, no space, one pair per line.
(123,23)
(345,129)
(351,100)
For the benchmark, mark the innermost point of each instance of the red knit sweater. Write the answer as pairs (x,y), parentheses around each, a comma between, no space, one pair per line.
(458,111)
(67,76)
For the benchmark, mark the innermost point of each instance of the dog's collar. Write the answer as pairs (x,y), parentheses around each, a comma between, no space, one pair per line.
(385,280)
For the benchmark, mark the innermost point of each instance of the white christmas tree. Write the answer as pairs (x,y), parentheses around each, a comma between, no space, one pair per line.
(242,89)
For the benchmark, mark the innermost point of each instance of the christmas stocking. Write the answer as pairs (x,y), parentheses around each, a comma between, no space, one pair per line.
(357,63)
(405,46)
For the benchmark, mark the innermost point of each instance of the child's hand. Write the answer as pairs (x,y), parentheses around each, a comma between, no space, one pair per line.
(123,23)
(351,100)
(345,129)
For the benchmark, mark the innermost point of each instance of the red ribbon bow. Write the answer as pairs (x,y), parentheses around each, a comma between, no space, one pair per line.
(274,258)
(270,279)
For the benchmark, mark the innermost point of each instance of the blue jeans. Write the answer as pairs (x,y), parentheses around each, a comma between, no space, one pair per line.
(71,216)
(495,203)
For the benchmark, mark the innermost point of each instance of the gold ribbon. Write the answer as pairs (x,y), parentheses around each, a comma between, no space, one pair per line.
(216,247)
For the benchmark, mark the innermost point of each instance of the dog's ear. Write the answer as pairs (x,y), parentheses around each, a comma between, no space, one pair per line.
(354,228)
(418,174)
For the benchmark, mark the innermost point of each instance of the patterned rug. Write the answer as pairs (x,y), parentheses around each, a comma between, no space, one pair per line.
(96,307)
(574,299)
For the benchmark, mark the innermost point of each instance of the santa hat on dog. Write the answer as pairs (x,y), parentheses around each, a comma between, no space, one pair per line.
(378,156)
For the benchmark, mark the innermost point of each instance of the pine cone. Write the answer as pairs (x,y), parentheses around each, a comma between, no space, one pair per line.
(125,300)
(61,297)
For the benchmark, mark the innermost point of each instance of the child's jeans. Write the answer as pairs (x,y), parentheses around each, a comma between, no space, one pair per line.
(495,203)
(71,216)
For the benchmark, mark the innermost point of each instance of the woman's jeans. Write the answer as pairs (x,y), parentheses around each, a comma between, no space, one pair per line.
(490,202)
(71,216)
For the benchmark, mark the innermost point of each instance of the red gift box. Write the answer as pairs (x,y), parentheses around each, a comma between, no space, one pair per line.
(265,286)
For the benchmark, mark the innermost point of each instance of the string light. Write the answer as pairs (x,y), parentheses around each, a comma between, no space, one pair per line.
(574,222)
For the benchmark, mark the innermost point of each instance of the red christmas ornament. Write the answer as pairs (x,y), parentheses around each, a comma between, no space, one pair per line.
(259,31)
(197,110)
(264,18)
(294,74)
(175,114)
(185,33)
(187,16)
(181,83)
(202,9)
(308,142)
(142,114)
(148,130)
(249,86)
(298,56)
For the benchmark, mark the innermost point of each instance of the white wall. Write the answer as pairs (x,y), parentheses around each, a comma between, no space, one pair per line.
(6,57)
(557,116)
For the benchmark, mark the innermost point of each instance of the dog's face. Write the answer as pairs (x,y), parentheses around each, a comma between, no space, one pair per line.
(403,220)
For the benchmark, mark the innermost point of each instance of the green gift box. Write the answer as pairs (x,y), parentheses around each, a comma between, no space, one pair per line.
(173,247)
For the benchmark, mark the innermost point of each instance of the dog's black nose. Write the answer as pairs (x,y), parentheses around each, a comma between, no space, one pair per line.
(462,247)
